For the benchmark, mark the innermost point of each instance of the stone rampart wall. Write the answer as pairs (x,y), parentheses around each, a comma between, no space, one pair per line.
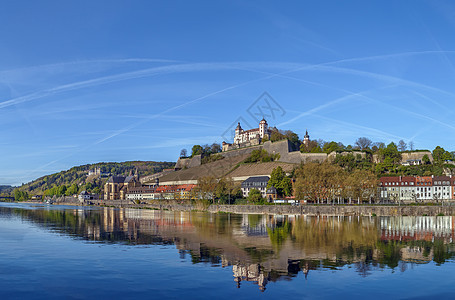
(239,152)
(185,163)
(416,155)
(336,210)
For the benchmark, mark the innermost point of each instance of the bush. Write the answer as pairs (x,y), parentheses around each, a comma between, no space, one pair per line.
(255,197)
(261,155)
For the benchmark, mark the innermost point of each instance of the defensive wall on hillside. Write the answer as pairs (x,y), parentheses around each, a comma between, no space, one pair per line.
(185,163)
(289,154)
(416,155)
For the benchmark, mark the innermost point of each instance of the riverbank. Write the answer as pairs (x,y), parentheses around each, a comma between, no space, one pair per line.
(310,210)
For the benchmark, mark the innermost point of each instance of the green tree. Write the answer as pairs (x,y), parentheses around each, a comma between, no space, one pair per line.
(279,180)
(96,190)
(20,195)
(61,190)
(330,147)
(255,196)
(72,190)
(278,135)
(225,190)
(196,150)
(285,186)
(275,177)
(390,154)
(440,155)
(262,156)
(426,159)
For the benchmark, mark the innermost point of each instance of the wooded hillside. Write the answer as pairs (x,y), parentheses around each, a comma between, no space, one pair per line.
(77,178)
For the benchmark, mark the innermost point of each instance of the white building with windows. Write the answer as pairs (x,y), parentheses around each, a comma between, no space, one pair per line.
(251,137)
(255,182)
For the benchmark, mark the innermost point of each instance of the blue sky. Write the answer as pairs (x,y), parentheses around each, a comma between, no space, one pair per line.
(91,81)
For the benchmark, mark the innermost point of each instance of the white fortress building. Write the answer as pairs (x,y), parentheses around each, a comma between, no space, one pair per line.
(251,137)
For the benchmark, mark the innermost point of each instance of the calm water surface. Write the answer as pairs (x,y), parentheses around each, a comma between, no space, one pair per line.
(73,252)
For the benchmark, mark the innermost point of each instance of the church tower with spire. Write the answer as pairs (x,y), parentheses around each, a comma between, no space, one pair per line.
(306,138)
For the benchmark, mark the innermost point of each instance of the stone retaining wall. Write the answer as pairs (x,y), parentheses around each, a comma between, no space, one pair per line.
(311,210)
(336,210)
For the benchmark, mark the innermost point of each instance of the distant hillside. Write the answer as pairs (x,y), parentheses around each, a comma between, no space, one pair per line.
(5,189)
(78,175)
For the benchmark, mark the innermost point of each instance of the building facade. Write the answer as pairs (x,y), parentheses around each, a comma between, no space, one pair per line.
(117,187)
(417,188)
(251,137)
(255,182)
(164,192)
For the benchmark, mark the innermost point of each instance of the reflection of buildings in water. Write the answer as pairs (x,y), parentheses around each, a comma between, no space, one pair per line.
(264,248)
(250,272)
(416,254)
(417,228)
(422,228)
(260,275)
(252,225)
(258,225)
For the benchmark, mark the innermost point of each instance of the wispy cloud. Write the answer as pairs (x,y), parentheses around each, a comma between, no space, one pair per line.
(194,67)
(108,79)
(63,66)
(367,131)
(323,106)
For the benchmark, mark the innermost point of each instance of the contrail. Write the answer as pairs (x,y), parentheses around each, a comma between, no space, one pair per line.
(371,129)
(109,79)
(325,105)
(210,66)
(81,62)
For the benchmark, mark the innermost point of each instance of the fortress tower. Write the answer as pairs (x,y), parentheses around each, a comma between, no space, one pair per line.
(263,128)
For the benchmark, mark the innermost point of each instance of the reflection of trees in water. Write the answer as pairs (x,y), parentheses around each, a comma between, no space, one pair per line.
(337,238)
(306,243)
(279,234)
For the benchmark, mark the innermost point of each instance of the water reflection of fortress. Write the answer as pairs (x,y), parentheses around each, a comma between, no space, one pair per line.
(266,248)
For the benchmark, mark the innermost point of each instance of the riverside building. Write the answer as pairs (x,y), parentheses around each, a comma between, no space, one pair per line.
(417,188)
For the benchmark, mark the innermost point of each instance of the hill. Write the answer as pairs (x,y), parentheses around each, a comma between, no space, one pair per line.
(5,189)
(79,179)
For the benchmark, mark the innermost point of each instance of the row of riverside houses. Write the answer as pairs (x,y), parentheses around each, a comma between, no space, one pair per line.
(417,188)
(130,188)
(162,192)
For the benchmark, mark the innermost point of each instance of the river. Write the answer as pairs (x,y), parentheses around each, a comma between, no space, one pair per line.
(94,252)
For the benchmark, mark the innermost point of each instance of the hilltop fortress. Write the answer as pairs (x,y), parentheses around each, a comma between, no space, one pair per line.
(188,170)
(246,138)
